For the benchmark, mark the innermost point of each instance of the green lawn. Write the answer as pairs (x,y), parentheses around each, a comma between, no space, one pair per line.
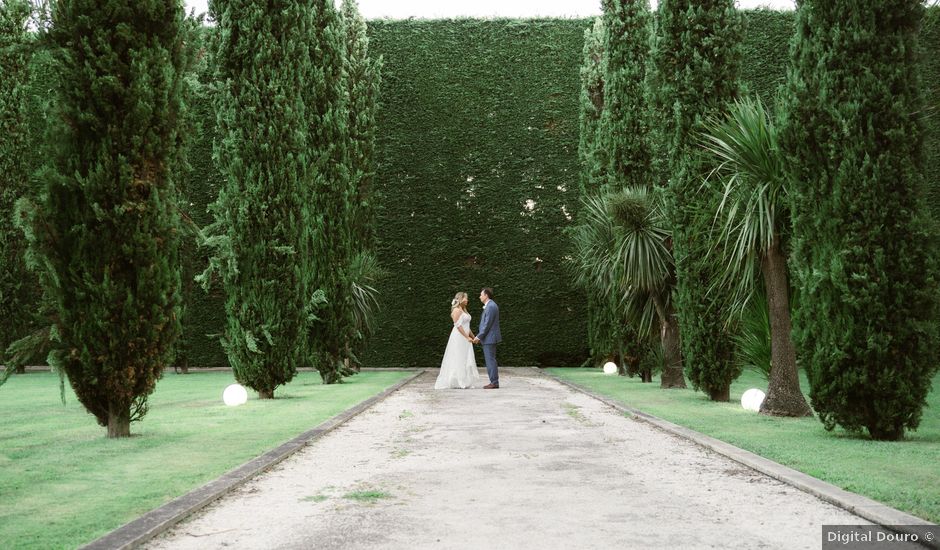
(63,483)
(904,475)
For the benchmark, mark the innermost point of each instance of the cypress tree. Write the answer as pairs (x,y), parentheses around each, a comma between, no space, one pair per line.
(622,134)
(15,289)
(862,249)
(105,230)
(593,73)
(362,83)
(330,197)
(260,235)
(363,77)
(624,125)
(602,335)
(696,56)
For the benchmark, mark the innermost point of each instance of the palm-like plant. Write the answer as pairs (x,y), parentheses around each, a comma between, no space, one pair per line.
(754,211)
(625,251)
(364,272)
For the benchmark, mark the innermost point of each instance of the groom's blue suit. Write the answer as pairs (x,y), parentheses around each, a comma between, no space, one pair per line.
(489,336)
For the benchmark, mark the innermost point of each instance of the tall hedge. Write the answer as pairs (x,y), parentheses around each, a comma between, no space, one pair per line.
(204,319)
(197,303)
(260,234)
(105,231)
(697,58)
(863,248)
(478,173)
(15,289)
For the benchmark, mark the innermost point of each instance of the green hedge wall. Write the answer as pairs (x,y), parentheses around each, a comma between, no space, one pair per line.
(478,117)
(204,313)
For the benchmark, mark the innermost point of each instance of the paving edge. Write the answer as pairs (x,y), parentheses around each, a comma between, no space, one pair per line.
(160,520)
(859,505)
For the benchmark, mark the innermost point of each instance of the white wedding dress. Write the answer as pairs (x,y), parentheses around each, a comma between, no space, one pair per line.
(459,366)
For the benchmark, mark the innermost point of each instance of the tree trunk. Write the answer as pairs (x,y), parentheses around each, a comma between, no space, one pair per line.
(672,376)
(622,364)
(119,421)
(646,376)
(784,397)
(334,375)
(347,360)
(331,377)
(20,369)
(882,434)
(265,394)
(722,394)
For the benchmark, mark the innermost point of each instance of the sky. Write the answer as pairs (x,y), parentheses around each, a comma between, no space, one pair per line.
(402,9)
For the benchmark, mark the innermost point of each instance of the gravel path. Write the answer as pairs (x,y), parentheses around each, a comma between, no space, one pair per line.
(531,465)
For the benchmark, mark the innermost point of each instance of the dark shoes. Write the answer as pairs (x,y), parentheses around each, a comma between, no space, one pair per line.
(491,387)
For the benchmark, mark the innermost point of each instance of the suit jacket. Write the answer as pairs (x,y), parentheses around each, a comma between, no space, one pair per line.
(489,325)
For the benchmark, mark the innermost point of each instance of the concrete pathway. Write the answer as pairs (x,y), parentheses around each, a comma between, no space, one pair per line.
(531,465)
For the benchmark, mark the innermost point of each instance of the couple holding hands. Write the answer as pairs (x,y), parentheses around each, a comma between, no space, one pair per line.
(459,366)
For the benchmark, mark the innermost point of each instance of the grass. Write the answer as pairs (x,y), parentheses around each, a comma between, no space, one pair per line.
(63,483)
(367,496)
(904,475)
(574,412)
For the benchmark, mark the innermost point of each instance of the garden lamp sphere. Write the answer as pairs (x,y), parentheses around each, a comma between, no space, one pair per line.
(752,399)
(235,395)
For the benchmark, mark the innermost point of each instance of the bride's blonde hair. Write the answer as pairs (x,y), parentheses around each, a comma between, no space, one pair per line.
(455,303)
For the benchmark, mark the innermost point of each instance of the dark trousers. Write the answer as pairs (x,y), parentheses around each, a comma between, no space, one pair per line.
(489,353)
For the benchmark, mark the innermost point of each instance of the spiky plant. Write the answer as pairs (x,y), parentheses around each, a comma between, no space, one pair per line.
(624,249)
(754,214)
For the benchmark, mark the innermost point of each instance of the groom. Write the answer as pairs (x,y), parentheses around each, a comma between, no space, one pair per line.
(489,336)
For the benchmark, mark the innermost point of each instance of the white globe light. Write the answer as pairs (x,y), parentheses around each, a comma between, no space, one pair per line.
(235,395)
(752,399)
(610,368)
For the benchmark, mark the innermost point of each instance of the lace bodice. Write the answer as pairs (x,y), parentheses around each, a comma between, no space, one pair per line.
(463,321)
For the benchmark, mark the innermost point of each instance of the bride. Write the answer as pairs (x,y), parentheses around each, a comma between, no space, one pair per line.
(459,366)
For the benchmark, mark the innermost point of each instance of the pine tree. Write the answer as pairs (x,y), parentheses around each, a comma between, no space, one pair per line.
(260,234)
(362,83)
(15,289)
(330,197)
(862,249)
(105,230)
(696,56)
